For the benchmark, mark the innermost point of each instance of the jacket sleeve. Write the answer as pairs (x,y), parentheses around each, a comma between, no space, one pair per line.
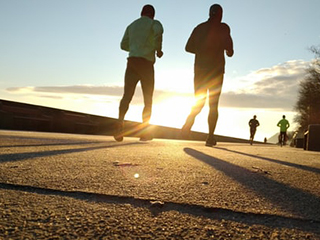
(125,41)
(158,31)
(190,46)
(228,42)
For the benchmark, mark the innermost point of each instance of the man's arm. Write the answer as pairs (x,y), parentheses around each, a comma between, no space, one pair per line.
(229,50)
(229,41)
(158,32)
(279,124)
(125,41)
(190,46)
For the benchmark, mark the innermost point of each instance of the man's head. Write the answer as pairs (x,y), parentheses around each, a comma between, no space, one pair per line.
(148,11)
(215,12)
(283,116)
(254,116)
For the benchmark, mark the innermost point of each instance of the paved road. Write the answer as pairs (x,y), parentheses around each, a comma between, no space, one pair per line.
(70,186)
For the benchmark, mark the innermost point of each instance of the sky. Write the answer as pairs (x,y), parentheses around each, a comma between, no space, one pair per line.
(66,55)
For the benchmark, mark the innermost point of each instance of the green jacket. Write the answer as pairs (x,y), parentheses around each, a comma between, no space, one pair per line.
(142,38)
(283,124)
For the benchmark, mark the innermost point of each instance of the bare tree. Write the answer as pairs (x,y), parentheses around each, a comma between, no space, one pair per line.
(308,104)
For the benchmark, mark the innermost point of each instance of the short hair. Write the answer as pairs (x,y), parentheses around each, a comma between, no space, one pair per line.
(215,10)
(148,10)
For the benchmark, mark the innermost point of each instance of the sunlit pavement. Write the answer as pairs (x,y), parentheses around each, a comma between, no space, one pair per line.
(69,186)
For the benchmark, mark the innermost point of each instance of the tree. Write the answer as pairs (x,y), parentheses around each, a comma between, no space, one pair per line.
(308,104)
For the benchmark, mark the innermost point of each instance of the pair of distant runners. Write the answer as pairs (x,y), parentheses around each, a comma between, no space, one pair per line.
(209,41)
(283,124)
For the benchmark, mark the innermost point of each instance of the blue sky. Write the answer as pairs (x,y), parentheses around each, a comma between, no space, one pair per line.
(66,54)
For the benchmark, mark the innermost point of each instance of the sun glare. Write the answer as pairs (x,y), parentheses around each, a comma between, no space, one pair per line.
(172,112)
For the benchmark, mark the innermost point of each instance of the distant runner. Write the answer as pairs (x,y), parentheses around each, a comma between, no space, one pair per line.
(253,123)
(284,125)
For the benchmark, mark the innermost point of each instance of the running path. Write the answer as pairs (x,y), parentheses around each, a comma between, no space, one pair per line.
(64,185)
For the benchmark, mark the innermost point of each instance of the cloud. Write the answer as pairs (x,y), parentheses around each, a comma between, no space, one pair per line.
(274,87)
(106,92)
(236,100)
(52,97)
(75,89)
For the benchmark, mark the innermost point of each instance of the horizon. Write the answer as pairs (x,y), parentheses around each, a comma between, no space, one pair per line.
(39,105)
(67,55)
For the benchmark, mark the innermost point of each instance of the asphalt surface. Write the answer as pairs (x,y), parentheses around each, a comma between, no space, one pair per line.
(64,186)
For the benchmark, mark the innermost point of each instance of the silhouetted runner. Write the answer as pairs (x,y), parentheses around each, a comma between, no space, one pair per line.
(142,39)
(253,123)
(208,41)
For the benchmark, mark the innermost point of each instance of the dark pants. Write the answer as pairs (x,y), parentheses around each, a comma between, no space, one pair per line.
(206,80)
(283,136)
(252,132)
(138,69)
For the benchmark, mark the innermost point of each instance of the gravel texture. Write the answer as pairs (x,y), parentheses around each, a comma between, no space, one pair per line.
(60,186)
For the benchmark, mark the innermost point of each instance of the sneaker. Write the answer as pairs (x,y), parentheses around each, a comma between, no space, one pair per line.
(210,142)
(146,137)
(118,135)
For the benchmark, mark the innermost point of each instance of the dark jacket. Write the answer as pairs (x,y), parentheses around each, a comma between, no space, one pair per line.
(208,42)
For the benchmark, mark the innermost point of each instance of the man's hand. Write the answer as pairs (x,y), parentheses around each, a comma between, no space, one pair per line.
(159,54)
(229,53)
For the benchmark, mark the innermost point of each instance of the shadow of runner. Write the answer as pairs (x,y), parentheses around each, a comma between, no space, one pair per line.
(302,167)
(289,199)
(269,220)
(45,141)
(49,144)
(30,155)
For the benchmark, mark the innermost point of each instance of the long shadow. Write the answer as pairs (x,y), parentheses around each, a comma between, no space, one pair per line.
(45,141)
(49,144)
(288,198)
(10,157)
(191,209)
(303,167)
(31,138)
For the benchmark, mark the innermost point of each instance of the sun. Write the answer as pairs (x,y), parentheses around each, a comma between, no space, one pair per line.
(172,111)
